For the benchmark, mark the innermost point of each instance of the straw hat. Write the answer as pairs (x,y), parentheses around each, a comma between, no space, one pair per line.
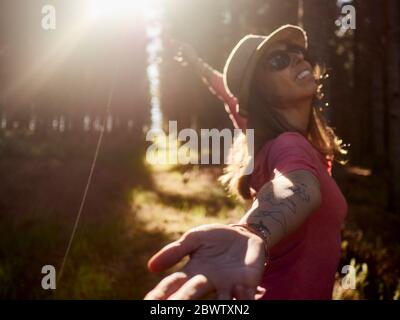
(242,61)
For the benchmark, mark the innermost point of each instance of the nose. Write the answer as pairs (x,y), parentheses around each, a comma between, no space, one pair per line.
(297,57)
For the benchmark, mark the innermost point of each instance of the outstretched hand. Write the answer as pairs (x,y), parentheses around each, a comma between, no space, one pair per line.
(184,52)
(224,259)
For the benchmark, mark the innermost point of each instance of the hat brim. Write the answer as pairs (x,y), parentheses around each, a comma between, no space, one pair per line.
(286,33)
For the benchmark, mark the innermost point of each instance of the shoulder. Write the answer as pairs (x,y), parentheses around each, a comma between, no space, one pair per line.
(291,140)
(288,152)
(290,144)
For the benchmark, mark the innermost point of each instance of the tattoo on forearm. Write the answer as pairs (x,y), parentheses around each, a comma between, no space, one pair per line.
(300,190)
(276,209)
(260,225)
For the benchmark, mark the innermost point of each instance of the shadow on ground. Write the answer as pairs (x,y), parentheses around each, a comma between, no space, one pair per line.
(41,189)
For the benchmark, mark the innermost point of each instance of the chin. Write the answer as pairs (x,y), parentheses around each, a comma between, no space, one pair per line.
(310,88)
(306,94)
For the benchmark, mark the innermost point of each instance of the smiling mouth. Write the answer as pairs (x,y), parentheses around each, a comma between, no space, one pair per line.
(303,74)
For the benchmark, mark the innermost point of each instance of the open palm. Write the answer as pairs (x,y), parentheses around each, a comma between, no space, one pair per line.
(227,260)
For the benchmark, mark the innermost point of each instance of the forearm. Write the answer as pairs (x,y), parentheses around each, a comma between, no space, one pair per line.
(283,204)
(203,70)
(215,83)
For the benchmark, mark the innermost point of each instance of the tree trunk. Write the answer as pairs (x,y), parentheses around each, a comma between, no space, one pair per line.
(319,22)
(377,119)
(363,47)
(393,70)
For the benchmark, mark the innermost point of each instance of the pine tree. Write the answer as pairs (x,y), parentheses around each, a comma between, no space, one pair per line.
(393,93)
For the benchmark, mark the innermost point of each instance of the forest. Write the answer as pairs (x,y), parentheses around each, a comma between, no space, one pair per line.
(76,104)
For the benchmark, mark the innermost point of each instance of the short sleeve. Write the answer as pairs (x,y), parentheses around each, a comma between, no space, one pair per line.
(289,152)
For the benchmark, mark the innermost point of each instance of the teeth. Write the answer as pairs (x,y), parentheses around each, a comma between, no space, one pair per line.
(303,74)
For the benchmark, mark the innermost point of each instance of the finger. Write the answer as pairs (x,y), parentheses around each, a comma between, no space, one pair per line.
(195,288)
(173,253)
(176,44)
(167,286)
(260,293)
(224,295)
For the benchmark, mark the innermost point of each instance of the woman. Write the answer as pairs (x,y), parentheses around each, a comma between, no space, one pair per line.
(289,241)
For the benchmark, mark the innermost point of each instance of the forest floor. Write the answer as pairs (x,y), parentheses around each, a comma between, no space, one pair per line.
(132,210)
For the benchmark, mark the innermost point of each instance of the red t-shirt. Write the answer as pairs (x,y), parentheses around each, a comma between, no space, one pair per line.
(302,265)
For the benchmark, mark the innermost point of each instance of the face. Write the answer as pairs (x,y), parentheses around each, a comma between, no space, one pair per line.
(285,77)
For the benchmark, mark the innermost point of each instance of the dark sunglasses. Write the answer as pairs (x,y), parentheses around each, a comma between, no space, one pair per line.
(280,59)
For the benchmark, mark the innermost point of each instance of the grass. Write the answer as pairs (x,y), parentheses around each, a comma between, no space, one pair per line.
(371,241)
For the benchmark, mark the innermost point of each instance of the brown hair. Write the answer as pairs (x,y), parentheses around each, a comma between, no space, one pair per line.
(267,125)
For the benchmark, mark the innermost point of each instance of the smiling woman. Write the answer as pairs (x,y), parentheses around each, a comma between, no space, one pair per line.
(291,234)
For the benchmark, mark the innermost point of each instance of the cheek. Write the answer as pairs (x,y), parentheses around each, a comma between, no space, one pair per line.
(278,84)
(309,87)
(285,88)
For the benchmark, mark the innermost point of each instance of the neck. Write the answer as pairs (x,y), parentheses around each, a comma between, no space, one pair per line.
(298,114)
